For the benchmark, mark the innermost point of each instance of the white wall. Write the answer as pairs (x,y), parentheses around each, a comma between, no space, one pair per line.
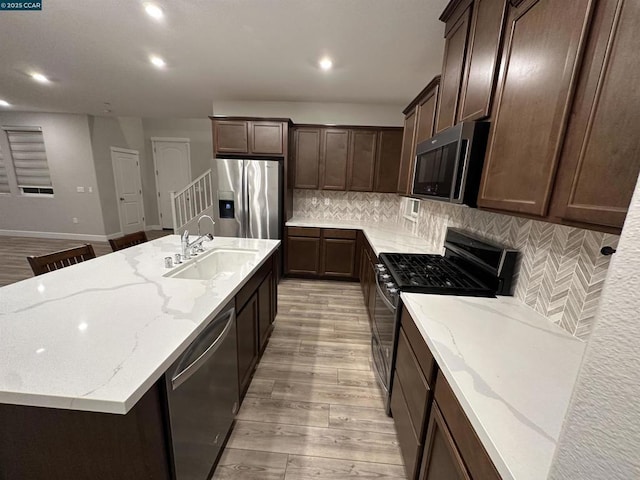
(197,130)
(70,157)
(319,113)
(600,438)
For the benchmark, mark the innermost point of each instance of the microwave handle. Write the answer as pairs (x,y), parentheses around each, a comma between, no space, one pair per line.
(463,163)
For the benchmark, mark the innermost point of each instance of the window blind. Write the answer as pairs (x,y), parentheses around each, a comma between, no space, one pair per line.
(29,160)
(4,180)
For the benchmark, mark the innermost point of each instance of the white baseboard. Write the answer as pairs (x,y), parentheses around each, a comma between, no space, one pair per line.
(59,235)
(114,235)
(153,227)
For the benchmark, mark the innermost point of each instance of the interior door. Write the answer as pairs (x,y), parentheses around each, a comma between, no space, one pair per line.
(126,171)
(172,160)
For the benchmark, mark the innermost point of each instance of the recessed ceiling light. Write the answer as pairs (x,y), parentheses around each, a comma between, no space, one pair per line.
(38,77)
(157,61)
(325,63)
(154,11)
(4,103)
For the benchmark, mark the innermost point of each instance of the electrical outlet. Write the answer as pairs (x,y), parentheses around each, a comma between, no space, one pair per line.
(80,189)
(376,203)
(90,189)
(326,201)
(314,200)
(75,220)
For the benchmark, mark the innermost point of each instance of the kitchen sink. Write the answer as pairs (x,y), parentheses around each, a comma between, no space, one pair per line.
(214,262)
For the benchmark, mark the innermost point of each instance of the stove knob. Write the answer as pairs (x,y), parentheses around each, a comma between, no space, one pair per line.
(385,276)
(380,267)
(393,291)
(390,285)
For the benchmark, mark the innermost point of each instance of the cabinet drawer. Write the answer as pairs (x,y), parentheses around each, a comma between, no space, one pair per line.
(419,347)
(303,232)
(338,233)
(409,444)
(414,384)
(471,449)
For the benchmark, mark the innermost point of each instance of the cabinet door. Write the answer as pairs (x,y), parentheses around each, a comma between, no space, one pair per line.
(247,329)
(441,458)
(231,136)
(307,157)
(303,255)
(452,68)
(265,310)
(267,138)
(601,158)
(426,111)
(483,47)
(338,257)
(408,153)
(410,445)
(537,72)
(362,160)
(333,161)
(388,161)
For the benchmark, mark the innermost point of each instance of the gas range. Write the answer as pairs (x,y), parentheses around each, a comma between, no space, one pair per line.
(471,266)
(430,274)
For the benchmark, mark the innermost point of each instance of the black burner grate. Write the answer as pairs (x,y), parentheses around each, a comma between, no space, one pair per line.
(431,274)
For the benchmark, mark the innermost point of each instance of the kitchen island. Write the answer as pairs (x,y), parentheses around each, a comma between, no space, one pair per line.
(98,337)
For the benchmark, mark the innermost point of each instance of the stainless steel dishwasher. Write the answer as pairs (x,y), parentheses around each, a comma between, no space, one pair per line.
(202,392)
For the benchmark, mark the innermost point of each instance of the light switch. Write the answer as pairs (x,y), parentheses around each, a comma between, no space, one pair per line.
(326,201)
(90,189)
(80,189)
(74,219)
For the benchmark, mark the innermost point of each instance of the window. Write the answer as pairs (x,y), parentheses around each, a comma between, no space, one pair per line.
(4,179)
(411,209)
(29,160)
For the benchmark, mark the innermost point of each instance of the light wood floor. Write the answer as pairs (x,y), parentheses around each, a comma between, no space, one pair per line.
(14,251)
(313,409)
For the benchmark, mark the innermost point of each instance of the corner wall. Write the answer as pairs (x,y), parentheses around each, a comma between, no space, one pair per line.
(600,438)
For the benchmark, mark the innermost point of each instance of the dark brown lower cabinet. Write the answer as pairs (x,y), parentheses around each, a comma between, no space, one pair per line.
(441,459)
(247,331)
(410,445)
(265,310)
(325,253)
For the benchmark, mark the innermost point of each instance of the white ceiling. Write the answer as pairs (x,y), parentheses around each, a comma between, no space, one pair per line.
(384,52)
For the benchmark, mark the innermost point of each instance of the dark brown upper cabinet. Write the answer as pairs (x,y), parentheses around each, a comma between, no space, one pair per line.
(601,158)
(306,154)
(408,152)
(481,65)
(419,125)
(388,160)
(456,32)
(240,136)
(362,160)
(334,158)
(539,65)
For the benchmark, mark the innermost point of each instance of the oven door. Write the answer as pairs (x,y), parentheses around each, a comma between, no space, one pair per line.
(384,321)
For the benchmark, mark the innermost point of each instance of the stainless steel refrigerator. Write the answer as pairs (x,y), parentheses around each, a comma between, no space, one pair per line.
(249,198)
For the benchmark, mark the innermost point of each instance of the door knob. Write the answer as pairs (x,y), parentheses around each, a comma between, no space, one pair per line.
(122,199)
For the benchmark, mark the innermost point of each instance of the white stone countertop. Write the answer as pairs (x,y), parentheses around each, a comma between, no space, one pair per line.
(382,238)
(97,335)
(511,369)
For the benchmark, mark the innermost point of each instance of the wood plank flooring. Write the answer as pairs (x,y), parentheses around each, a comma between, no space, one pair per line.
(14,251)
(313,409)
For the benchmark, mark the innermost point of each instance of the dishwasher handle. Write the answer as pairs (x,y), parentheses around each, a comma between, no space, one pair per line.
(185,373)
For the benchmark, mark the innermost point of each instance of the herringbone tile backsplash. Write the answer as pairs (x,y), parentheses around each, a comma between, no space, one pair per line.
(561,271)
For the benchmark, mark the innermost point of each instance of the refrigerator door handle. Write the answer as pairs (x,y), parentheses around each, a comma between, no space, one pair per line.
(245,199)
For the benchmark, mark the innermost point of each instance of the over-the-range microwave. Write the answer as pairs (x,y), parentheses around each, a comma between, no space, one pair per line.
(449,164)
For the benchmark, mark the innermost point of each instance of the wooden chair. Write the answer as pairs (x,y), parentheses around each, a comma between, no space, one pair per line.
(128,241)
(63,258)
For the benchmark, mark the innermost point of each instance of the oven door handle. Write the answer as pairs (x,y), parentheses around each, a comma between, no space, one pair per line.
(389,305)
(375,367)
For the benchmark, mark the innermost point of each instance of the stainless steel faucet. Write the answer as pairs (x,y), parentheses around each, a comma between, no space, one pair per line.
(190,248)
(213,224)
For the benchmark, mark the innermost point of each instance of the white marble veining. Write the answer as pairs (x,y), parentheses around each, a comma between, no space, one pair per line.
(512,371)
(382,237)
(97,335)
